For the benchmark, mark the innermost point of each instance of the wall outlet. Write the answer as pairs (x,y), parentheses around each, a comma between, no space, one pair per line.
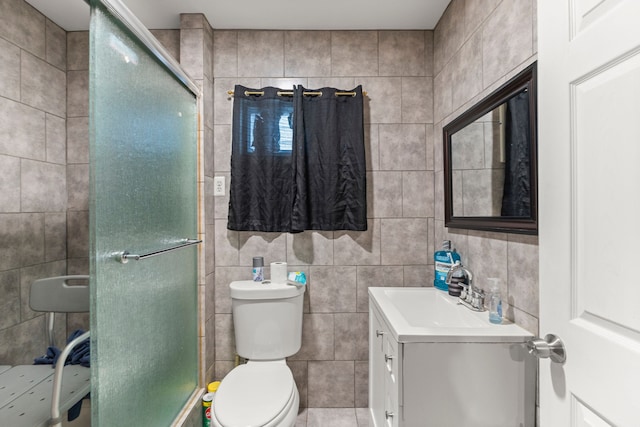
(218,186)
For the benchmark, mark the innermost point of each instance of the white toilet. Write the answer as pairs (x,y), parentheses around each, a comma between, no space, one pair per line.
(267,318)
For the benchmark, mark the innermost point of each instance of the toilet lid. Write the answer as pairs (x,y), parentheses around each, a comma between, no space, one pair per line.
(251,395)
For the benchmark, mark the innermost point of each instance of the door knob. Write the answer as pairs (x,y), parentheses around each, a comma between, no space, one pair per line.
(550,347)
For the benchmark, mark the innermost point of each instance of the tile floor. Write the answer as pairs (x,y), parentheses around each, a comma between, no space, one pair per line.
(310,417)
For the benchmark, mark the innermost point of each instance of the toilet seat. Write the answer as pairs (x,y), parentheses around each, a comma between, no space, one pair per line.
(255,395)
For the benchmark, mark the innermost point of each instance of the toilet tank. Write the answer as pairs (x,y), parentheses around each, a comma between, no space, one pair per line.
(267,318)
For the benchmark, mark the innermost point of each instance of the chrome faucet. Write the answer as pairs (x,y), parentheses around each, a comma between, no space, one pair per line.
(470,297)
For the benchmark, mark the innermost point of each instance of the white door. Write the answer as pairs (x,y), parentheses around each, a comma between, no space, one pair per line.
(589,150)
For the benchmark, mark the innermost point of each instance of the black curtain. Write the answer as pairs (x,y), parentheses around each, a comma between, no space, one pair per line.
(329,161)
(516,197)
(261,163)
(297,163)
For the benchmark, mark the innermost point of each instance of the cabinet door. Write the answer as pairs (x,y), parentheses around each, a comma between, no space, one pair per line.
(377,332)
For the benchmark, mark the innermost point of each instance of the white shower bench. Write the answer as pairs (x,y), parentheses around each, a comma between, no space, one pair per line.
(38,395)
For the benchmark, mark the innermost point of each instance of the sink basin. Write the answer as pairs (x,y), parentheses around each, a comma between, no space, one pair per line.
(431,315)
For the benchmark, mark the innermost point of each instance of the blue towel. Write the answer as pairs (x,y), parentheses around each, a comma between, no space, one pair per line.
(80,355)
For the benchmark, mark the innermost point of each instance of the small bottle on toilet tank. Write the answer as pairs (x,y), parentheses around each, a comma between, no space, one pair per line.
(258,269)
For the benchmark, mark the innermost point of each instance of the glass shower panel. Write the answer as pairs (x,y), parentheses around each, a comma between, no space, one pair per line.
(143,198)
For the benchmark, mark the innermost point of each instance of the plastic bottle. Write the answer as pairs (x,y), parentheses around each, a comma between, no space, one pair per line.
(444,260)
(495,301)
(258,269)
(207,403)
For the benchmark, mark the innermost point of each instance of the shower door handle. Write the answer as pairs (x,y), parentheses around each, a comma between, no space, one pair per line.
(125,256)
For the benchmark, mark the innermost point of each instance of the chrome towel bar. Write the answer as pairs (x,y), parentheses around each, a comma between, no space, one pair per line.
(125,256)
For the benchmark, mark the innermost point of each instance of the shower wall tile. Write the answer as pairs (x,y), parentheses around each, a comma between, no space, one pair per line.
(77,93)
(192,20)
(32,247)
(297,58)
(417,100)
(27,339)
(78,187)
(42,85)
(332,289)
(56,45)
(404,241)
(56,139)
(225,53)
(208,148)
(55,236)
(331,384)
(22,130)
(43,187)
(10,302)
(9,70)
(11,235)
(403,147)
(354,53)
(23,25)
(442,95)
(346,83)
(507,39)
(78,140)
(402,53)
(260,54)
(77,50)
(78,235)
(9,184)
(352,330)
(210,339)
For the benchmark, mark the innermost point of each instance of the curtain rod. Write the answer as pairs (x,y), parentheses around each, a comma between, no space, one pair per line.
(290,93)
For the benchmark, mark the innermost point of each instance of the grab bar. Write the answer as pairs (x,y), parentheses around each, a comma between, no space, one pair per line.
(125,256)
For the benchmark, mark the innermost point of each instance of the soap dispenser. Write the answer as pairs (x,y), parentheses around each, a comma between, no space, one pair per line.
(444,260)
(495,301)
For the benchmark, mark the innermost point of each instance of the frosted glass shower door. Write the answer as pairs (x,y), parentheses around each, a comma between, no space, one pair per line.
(143,199)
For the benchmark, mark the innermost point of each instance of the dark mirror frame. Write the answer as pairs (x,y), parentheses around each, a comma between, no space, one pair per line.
(526,79)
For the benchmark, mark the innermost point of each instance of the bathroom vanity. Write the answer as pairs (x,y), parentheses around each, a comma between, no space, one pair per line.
(434,363)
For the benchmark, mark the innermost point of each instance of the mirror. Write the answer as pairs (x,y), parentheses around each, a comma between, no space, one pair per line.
(490,161)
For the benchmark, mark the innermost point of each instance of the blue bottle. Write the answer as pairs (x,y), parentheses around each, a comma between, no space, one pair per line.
(444,260)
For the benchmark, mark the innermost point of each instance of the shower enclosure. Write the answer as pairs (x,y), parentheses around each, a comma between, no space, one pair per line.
(143,219)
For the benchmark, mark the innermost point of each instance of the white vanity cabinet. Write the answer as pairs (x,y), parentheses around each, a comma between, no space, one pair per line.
(445,381)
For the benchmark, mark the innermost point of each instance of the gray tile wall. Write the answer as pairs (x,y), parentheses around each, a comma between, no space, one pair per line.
(479,45)
(33,178)
(395,68)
